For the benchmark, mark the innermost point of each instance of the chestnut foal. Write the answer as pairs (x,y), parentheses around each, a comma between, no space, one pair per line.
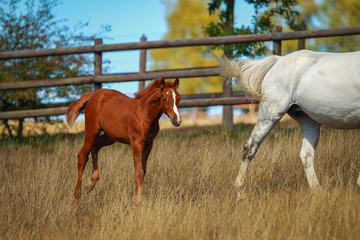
(133,121)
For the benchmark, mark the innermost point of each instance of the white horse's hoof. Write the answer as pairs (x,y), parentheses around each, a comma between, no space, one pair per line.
(241,196)
(316,189)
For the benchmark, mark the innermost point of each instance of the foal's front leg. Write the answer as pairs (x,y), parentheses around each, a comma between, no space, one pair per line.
(138,147)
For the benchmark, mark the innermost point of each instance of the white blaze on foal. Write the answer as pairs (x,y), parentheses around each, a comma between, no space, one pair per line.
(176,111)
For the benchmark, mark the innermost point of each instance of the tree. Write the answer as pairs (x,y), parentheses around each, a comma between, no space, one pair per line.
(267,13)
(324,15)
(36,27)
(187,19)
(332,14)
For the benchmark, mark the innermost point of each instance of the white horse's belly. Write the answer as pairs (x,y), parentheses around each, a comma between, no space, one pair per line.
(337,109)
(336,118)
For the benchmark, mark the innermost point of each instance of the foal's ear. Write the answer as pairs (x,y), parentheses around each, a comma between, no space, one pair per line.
(176,83)
(162,84)
(157,82)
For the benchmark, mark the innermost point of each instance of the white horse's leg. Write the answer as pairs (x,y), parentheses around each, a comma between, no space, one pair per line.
(262,128)
(269,115)
(358,180)
(311,133)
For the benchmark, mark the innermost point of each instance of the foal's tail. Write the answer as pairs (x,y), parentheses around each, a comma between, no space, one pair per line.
(76,108)
(249,74)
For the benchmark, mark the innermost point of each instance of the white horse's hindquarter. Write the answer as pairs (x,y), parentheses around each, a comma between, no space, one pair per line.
(329,91)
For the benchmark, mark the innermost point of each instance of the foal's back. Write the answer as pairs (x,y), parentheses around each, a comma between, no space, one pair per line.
(114,111)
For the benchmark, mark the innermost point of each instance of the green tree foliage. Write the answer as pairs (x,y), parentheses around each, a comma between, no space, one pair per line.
(187,19)
(31,24)
(328,14)
(267,13)
(332,14)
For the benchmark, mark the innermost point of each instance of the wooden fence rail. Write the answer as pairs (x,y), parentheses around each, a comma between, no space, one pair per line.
(204,102)
(98,78)
(109,78)
(277,36)
(188,100)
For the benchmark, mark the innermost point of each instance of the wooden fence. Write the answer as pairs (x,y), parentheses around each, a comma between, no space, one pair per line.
(98,78)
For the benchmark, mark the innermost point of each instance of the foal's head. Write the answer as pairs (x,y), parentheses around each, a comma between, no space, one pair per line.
(170,99)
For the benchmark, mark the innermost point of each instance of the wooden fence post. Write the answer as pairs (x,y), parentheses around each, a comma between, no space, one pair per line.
(277,44)
(227,118)
(97,63)
(301,42)
(142,62)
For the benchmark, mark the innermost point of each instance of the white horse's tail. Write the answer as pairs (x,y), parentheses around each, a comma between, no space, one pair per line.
(248,74)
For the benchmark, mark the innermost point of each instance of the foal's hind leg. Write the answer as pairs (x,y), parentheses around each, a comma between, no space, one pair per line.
(269,114)
(100,141)
(91,131)
(311,133)
(83,157)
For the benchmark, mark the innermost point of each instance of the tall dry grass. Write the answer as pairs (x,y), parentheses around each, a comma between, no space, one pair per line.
(188,190)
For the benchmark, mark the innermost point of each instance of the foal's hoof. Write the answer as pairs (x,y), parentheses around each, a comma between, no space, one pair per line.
(90,187)
(92,184)
(75,202)
(136,200)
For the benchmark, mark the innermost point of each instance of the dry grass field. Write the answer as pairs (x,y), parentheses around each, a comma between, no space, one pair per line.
(188,190)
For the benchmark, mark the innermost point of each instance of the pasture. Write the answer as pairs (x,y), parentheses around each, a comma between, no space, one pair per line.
(188,191)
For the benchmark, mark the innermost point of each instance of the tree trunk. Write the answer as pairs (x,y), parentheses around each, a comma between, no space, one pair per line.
(20,128)
(6,123)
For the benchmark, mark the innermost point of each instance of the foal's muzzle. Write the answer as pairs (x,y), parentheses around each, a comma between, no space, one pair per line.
(176,121)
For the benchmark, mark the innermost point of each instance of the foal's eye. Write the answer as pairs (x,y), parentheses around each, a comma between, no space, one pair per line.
(164,100)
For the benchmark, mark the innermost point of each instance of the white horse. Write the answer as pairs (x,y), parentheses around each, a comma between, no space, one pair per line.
(314,88)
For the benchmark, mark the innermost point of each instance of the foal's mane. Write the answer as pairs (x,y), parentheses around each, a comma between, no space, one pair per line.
(155,84)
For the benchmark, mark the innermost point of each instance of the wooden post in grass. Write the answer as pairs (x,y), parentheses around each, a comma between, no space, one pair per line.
(97,63)
(142,62)
(277,44)
(301,42)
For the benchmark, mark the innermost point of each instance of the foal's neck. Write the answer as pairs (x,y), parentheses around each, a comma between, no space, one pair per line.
(151,104)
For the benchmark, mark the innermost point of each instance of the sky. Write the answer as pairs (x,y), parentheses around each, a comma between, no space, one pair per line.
(129,20)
